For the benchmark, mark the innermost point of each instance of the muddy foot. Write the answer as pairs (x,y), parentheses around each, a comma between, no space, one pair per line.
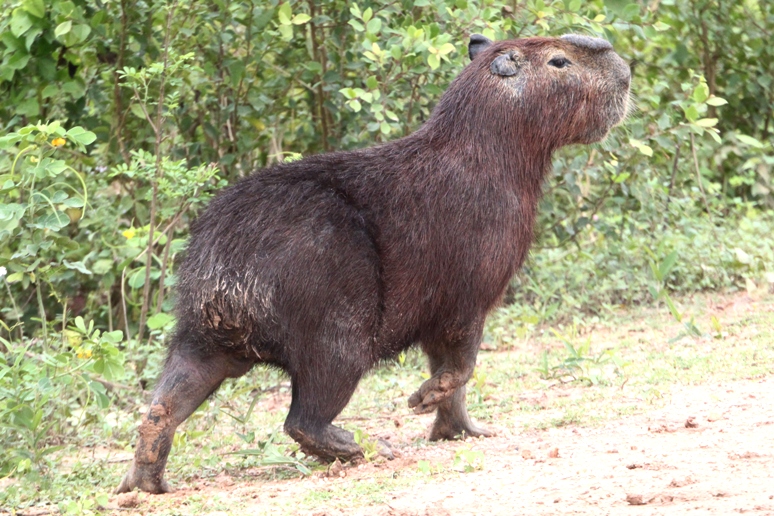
(328,444)
(149,483)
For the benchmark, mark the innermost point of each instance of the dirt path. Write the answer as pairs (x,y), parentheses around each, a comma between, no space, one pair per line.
(711,450)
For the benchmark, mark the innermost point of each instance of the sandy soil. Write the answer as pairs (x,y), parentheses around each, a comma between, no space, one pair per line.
(711,450)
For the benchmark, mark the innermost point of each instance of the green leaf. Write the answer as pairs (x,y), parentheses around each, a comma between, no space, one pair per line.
(20,22)
(691,113)
(36,8)
(63,28)
(100,394)
(114,337)
(300,19)
(630,12)
(749,140)
(80,135)
(349,93)
(284,13)
(716,101)
(707,122)
(644,149)
(102,500)
(286,32)
(77,35)
(742,257)
(374,26)
(18,61)
(701,92)
(73,202)
(49,91)
(672,307)
(433,61)
(137,111)
(160,320)
(661,26)
(666,266)
(15,277)
(78,266)
(446,48)
(137,278)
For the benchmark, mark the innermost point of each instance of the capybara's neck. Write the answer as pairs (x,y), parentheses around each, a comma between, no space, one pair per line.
(474,140)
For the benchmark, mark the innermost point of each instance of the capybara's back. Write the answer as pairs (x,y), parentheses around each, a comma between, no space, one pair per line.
(326,265)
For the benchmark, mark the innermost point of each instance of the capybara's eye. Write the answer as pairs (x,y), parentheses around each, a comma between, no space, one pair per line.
(559,62)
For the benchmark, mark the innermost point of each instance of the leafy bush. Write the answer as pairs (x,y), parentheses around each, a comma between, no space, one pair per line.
(47,394)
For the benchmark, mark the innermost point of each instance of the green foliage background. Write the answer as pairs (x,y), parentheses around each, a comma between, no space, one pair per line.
(119,119)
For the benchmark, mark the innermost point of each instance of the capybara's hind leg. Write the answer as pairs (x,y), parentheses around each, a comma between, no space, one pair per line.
(318,397)
(186,382)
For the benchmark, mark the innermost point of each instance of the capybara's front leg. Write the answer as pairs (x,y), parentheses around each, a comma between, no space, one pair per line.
(437,389)
(186,382)
(452,360)
(451,364)
(452,420)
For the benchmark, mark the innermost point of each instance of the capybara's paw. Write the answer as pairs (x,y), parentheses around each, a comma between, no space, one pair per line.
(432,392)
(144,482)
(449,432)
(386,451)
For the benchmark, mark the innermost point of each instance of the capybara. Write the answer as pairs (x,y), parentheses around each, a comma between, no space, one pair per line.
(327,265)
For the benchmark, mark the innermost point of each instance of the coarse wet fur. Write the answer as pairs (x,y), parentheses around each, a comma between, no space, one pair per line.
(325,266)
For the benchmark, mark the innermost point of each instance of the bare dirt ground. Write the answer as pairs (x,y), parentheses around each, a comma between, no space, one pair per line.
(708,449)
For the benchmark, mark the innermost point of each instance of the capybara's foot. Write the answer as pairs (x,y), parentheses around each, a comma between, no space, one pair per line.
(433,391)
(452,420)
(385,450)
(144,481)
(328,444)
(446,430)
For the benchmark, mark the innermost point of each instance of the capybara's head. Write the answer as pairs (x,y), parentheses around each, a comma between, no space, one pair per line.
(555,91)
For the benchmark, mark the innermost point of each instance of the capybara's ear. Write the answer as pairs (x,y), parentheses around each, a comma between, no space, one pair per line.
(596,44)
(477,44)
(507,64)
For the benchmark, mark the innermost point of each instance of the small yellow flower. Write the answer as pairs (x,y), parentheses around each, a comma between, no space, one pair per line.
(129,233)
(58,142)
(83,353)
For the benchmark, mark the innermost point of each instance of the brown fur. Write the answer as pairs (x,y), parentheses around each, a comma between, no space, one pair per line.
(325,266)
